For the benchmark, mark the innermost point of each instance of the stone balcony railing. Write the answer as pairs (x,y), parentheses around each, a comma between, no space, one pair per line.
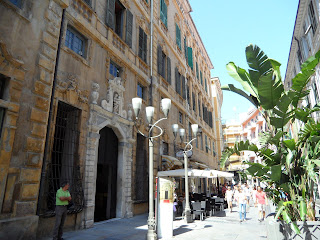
(143,66)
(118,43)
(83,9)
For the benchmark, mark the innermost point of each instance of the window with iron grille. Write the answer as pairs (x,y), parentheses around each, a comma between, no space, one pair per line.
(64,162)
(141,173)
(75,41)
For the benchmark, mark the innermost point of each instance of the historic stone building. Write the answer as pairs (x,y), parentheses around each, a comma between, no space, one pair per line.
(68,72)
(305,43)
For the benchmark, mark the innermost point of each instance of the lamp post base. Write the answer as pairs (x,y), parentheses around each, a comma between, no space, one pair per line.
(152,235)
(188,216)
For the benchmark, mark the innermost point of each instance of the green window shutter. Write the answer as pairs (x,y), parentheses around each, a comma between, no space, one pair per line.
(201,78)
(205,85)
(185,48)
(110,13)
(144,47)
(168,70)
(178,36)
(177,80)
(183,87)
(159,59)
(140,42)
(193,102)
(129,28)
(190,59)
(163,12)
(197,70)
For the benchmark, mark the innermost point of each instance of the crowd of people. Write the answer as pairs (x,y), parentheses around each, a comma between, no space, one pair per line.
(241,195)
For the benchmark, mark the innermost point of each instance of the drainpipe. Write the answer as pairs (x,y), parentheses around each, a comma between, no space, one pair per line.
(45,154)
(151,53)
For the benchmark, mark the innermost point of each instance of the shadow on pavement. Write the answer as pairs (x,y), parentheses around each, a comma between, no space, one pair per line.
(180,230)
(220,214)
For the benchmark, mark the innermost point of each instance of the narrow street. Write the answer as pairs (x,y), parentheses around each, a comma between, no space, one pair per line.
(223,225)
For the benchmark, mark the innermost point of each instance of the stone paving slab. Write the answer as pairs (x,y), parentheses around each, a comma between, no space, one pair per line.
(223,225)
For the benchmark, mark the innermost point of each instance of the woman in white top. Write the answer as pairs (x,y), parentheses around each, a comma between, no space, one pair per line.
(242,200)
(235,194)
(254,191)
(228,197)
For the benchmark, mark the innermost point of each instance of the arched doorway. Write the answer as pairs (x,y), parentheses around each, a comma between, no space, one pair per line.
(106,181)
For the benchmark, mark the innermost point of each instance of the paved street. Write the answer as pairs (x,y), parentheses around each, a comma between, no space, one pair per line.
(223,225)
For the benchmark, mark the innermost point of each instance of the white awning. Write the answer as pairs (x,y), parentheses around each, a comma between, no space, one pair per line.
(195,173)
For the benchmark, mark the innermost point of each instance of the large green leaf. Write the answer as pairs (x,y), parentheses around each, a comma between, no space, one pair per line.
(276,173)
(290,143)
(232,88)
(258,62)
(242,76)
(269,90)
(311,62)
(299,83)
(289,158)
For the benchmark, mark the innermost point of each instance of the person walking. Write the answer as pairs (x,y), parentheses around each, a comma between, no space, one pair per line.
(235,195)
(228,197)
(254,191)
(242,201)
(63,198)
(247,192)
(261,199)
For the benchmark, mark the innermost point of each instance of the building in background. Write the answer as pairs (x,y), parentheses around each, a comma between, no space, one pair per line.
(217,122)
(68,72)
(252,124)
(305,43)
(232,133)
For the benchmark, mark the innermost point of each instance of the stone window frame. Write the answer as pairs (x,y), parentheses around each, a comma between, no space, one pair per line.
(25,9)
(83,51)
(88,46)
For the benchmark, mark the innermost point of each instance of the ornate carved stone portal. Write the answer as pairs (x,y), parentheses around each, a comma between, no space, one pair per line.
(114,102)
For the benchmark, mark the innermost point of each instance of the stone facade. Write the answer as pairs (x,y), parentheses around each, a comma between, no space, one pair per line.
(101,66)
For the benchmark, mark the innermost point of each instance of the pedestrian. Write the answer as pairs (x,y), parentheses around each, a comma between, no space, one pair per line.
(224,189)
(228,197)
(235,194)
(261,199)
(247,192)
(242,201)
(254,191)
(63,198)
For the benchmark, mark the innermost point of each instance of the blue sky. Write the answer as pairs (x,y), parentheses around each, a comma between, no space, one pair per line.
(227,27)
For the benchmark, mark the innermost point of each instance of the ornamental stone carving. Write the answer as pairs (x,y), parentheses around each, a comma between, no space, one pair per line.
(114,100)
(95,93)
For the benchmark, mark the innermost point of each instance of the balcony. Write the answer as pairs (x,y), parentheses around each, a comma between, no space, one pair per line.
(83,9)
(118,43)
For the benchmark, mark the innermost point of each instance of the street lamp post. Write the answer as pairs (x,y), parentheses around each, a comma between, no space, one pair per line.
(165,106)
(194,128)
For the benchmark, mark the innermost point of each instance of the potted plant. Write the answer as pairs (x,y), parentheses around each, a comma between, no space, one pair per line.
(290,166)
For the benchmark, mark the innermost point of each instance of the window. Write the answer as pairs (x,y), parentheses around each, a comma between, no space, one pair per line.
(75,41)
(197,70)
(315,91)
(206,142)
(180,118)
(213,149)
(16,2)
(163,12)
(88,2)
(180,84)
(205,85)
(2,112)
(193,102)
(312,17)
(141,91)
(2,85)
(178,36)
(117,18)
(65,164)
(141,174)
(199,106)
(142,45)
(190,58)
(201,81)
(190,131)
(164,65)
(114,70)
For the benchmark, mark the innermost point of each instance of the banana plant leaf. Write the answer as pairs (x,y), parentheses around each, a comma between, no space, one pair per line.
(232,88)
